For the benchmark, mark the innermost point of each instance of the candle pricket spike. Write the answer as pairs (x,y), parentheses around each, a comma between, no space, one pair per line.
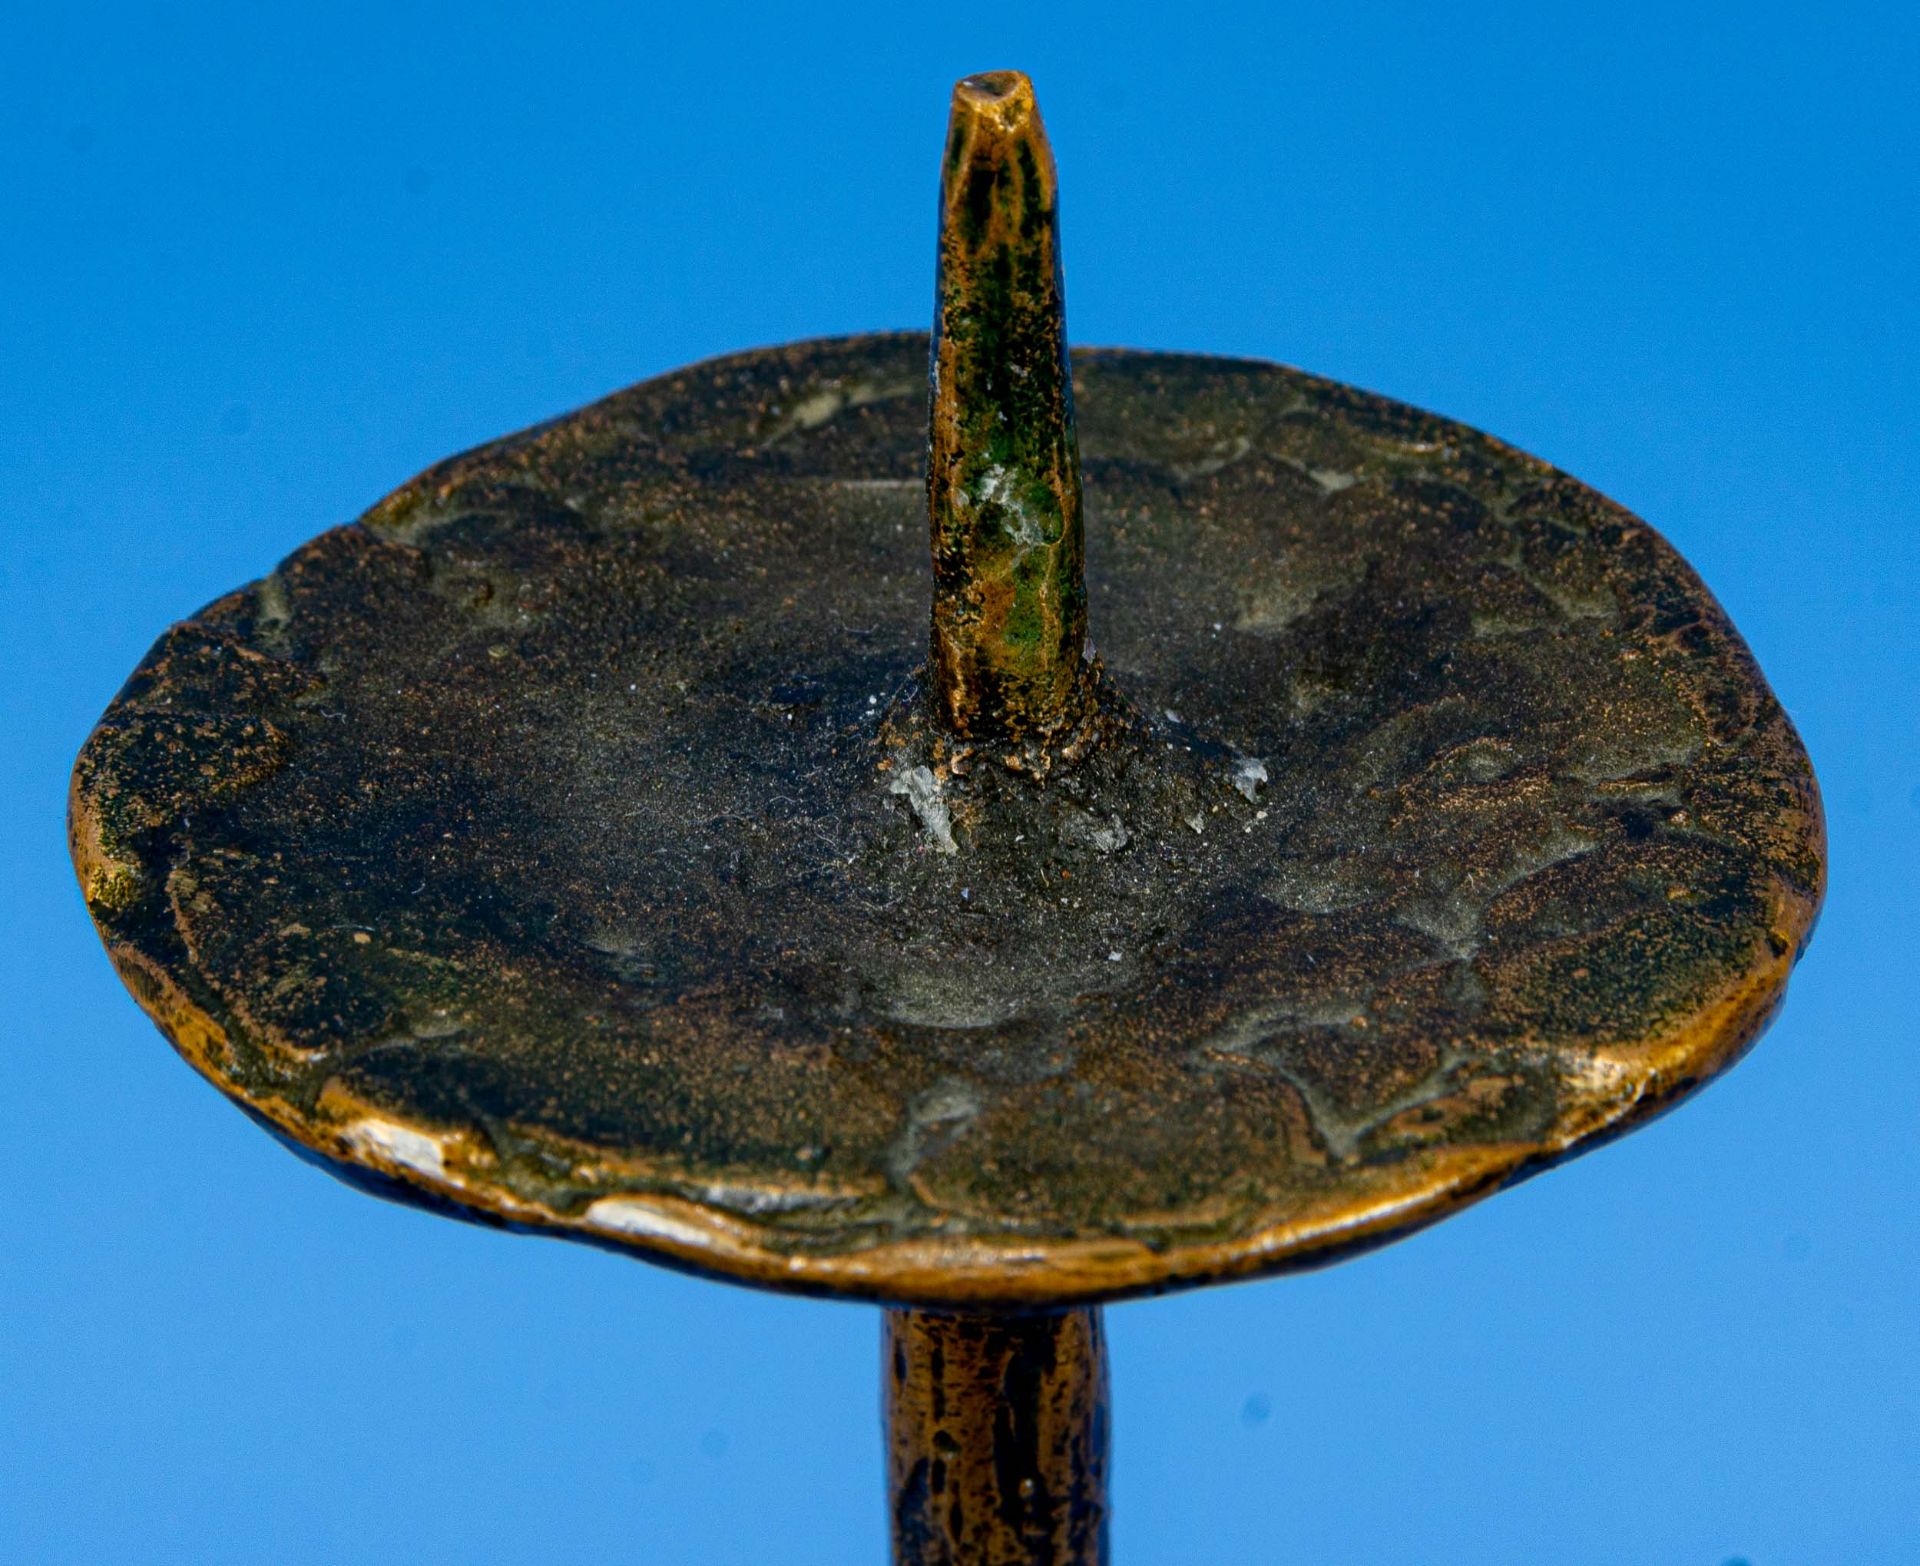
(1003,481)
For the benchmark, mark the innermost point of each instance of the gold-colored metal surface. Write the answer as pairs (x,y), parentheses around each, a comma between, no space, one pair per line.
(587,841)
(1003,484)
(563,844)
(583,841)
(997,1438)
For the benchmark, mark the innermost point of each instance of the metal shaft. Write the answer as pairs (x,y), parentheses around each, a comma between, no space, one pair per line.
(1003,481)
(997,1438)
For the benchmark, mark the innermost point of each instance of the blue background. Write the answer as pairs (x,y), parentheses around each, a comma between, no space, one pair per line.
(258,264)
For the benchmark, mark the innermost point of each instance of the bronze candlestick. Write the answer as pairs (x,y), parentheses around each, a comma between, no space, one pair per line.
(593,840)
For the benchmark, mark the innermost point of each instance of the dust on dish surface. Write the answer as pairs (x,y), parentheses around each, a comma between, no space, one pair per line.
(561,844)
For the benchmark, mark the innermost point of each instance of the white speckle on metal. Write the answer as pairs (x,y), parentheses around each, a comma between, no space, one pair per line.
(811,412)
(1596,1074)
(922,790)
(764,1199)
(398,1144)
(625,1215)
(995,488)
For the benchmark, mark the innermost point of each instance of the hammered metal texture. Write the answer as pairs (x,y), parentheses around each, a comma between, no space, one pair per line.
(563,843)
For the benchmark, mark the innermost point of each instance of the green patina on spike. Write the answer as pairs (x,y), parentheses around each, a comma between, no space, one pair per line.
(1003,486)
